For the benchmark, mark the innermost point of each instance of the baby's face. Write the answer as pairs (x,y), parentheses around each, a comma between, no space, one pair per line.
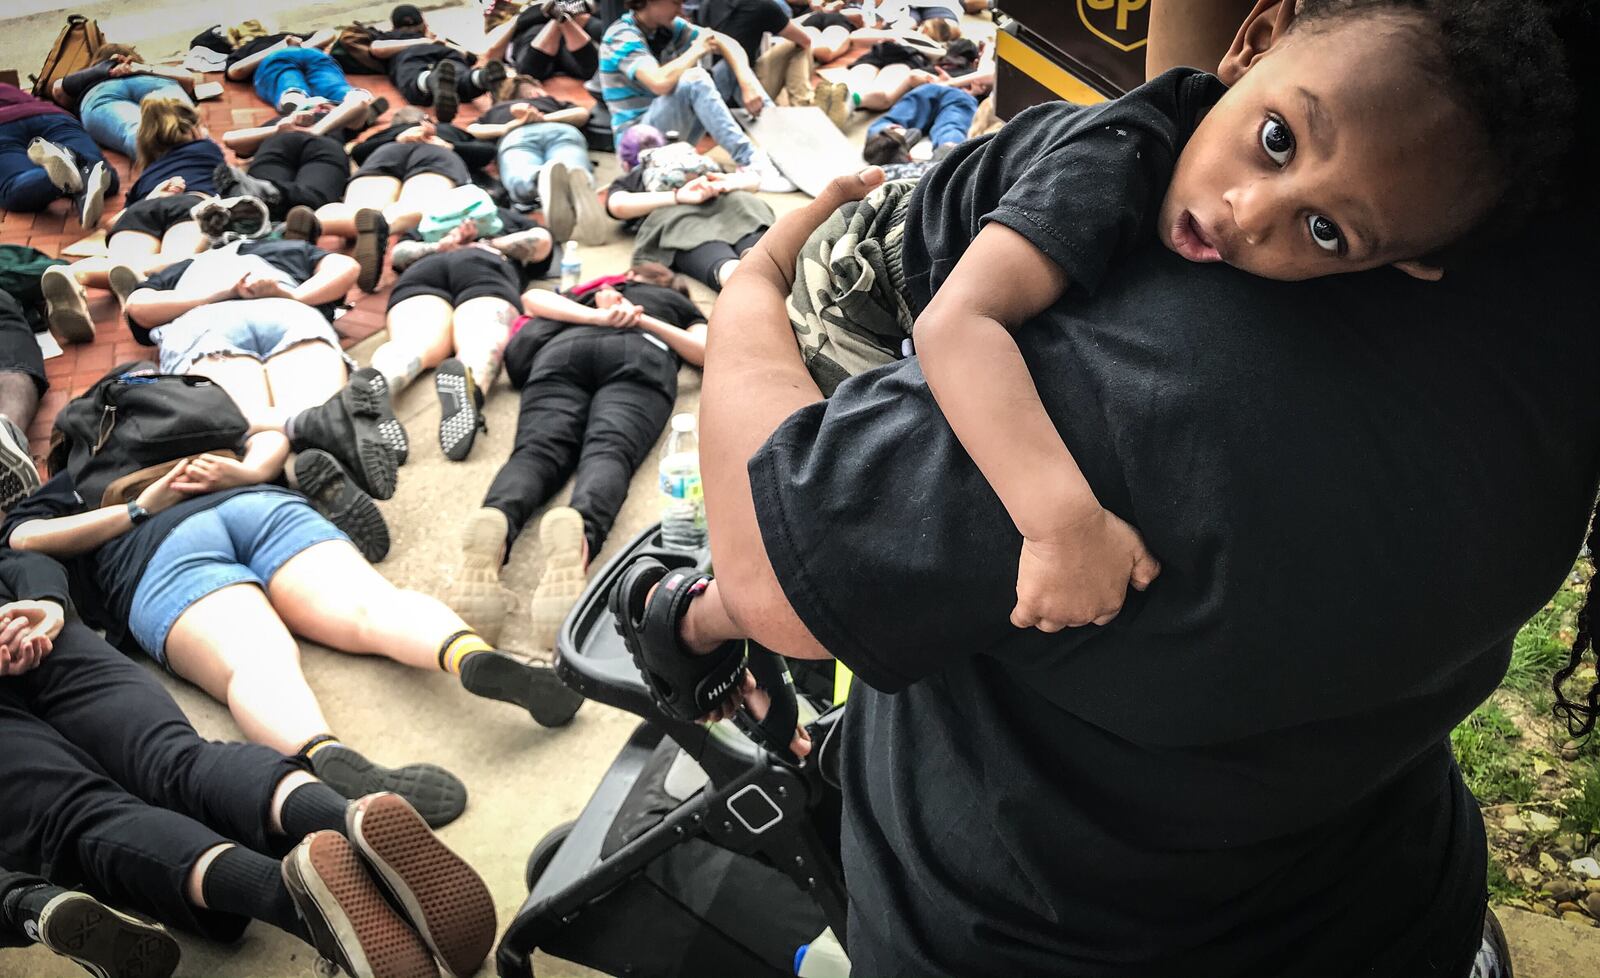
(1333,153)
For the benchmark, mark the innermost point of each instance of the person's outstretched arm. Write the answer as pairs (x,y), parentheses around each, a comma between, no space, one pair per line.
(1077,558)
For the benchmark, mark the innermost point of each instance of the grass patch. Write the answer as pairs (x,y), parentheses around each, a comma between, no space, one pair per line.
(1501,888)
(1541,647)
(1583,810)
(1493,768)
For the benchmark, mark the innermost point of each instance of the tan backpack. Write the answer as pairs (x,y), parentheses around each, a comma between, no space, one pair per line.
(73,51)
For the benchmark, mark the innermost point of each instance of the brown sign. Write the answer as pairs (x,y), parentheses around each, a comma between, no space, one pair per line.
(1123,24)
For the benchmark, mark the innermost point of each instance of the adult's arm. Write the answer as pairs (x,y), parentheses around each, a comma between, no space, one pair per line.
(246,67)
(755,379)
(69,536)
(625,205)
(661,79)
(149,307)
(184,78)
(689,344)
(796,34)
(334,277)
(384,50)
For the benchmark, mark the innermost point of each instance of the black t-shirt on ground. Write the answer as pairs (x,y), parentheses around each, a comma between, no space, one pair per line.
(1081,183)
(500,112)
(745,21)
(104,580)
(1358,487)
(474,152)
(425,53)
(537,333)
(296,259)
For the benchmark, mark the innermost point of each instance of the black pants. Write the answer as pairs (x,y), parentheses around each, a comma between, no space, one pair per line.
(19,352)
(108,787)
(702,261)
(308,169)
(580,64)
(594,403)
(405,73)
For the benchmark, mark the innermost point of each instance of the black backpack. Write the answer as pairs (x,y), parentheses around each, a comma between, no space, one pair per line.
(125,432)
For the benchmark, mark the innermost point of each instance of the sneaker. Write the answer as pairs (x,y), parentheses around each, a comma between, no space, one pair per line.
(347,919)
(772,182)
(442,897)
(442,86)
(59,164)
(563,579)
(576,8)
(495,675)
(346,427)
(212,216)
(460,409)
(839,107)
(104,942)
(555,196)
(591,226)
(66,306)
(369,396)
(233,181)
(372,241)
(301,224)
(92,202)
(124,282)
(19,477)
(335,495)
(435,793)
(476,594)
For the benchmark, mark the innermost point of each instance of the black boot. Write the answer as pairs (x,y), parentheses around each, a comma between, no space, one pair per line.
(232,181)
(101,940)
(334,493)
(346,427)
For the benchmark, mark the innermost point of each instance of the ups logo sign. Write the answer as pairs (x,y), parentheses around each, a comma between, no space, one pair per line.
(1123,24)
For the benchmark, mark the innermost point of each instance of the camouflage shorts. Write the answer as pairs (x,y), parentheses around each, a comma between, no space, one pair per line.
(848,306)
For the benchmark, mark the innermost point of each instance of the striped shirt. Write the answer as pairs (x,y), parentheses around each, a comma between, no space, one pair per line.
(623,52)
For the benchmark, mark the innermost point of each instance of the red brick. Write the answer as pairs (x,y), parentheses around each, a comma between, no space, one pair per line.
(98,357)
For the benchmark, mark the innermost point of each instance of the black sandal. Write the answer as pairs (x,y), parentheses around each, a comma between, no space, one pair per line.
(685,686)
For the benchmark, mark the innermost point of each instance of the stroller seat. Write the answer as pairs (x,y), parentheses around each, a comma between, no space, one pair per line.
(597,885)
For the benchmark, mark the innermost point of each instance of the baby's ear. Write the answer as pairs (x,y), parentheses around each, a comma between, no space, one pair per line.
(1421,270)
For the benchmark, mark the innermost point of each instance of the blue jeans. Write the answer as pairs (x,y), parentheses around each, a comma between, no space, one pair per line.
(305,70)
(695,108)
(25,187)
(944,113)
(524,149)
(110,110)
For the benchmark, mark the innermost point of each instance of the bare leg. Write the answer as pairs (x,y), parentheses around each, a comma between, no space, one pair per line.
(482,326)
(573,33)
(245,380)
(330,595)
(135,249)
(19,398)
(344,115)
(548,40)
(232,644)
(370,191)
(419,337)
(304,376)
(415,195)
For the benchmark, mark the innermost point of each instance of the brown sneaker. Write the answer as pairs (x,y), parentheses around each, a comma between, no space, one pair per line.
(477,594)
(350,923)
(562,580)
(834,98)
(444,898)
(372,245)
(66,306)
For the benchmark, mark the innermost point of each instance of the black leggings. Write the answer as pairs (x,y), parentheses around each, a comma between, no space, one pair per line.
(108,787)
(594,403)
(702,261)
(580,64)
(306,168)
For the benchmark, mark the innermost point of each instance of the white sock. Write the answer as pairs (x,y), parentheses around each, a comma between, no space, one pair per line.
(398,367)
(422,80)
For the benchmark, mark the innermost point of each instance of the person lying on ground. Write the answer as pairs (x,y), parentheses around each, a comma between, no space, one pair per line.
(22,383)
(664,87)
(294,171)
(549,38)
(786,66)
(107,95)
(428,71)
(135,807)
(47,155)
(598,372)
(941,113)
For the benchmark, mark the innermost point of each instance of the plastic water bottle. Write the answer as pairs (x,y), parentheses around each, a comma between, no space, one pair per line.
(683,501)
(571,266)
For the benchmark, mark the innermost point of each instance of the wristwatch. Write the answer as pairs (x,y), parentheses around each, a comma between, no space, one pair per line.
(137,514)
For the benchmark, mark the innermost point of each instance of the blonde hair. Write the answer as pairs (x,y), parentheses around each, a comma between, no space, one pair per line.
(106,52)
(941,29)
(164,124)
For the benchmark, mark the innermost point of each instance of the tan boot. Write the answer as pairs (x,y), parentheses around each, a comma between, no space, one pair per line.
(834,99)
(562,580)
(797,78)
(476,594)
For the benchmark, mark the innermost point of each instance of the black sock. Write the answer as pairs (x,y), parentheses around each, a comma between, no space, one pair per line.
(249,884)
(311,807)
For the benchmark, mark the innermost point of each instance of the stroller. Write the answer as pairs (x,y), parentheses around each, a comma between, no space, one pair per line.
(701,852)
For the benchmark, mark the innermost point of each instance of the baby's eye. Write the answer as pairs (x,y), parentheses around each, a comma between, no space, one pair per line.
(1325,233)
(1277,140)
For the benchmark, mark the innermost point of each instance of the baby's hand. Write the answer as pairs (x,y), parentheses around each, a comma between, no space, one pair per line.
(1080,573)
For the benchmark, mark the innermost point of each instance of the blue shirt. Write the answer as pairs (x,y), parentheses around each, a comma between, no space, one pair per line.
(195,162)
(623,51)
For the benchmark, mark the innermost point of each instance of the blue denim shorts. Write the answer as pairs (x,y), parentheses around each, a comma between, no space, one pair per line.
(244,539)
(258,328)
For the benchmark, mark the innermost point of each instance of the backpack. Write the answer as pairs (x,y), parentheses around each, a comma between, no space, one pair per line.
(353,51)
(125,432)
(673,165)
(21,268)
(456,205)
(73,51)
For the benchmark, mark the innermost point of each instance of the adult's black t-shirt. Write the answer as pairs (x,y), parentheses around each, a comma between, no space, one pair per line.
(745,21)
(500,112)
(1358,487)
(474,152)
(539,333)
(296,259)
(1082,183)
(104,580)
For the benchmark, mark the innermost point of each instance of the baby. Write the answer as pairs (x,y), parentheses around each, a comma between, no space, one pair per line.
(1375,133)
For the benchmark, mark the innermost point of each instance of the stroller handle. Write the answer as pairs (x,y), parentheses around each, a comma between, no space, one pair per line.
(783,715)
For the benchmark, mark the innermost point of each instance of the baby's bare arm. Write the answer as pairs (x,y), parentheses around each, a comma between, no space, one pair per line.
(977,375)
